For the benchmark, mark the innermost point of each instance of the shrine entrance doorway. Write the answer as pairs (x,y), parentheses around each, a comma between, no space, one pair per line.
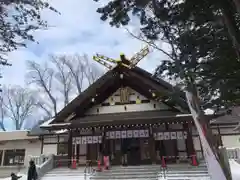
(134,152)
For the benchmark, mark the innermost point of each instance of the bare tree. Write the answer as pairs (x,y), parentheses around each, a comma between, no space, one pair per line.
(19,105)
(91,72)
(76,69)
(2,114)
(81,68)
(42,77)
(61,78)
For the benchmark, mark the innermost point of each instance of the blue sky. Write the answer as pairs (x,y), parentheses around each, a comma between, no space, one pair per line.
(77,30)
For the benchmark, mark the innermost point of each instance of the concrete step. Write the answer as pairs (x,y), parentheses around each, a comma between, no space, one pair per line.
(66,173)
(146,172)
(65,178)
(131,170)
(186,172)
(147,177)
(185,178)
(127,174)
(187,175)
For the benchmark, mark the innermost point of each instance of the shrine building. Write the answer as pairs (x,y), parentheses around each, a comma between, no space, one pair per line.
(130,115)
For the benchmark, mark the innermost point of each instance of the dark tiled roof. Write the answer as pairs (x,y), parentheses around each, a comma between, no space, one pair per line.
(37,131)
(129,118)
(126,116)
(227,119)
(110,82)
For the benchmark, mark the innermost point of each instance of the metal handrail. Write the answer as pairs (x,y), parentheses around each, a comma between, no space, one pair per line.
(89,168)
(45,167)
(62,162)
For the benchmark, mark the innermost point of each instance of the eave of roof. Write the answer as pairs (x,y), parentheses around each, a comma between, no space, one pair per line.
(103,84)
(125,116)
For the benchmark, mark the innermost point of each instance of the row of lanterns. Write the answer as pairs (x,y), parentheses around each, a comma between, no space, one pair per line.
(134,125)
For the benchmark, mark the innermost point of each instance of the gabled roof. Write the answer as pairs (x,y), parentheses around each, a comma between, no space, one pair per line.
(136,78)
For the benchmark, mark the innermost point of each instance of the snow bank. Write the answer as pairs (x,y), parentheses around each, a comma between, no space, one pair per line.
(24,177)
(235,169)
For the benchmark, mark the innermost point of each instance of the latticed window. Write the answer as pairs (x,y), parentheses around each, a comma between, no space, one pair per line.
(62,149)
(14,157)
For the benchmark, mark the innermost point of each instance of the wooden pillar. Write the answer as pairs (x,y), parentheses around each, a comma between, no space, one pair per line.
(152,146)
(57,144)
(219,136)
(189,141)
(201,146)
(103,145)
(77,146)
(3,157)
(41,137)
(69,147)
(78,152)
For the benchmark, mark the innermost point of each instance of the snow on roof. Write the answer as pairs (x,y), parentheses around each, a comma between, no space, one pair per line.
(61,131)
(15,135)
(46,123)
(183,115)
(208,112)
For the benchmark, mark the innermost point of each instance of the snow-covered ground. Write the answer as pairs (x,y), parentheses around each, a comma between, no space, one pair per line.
(24,177)
(235,169)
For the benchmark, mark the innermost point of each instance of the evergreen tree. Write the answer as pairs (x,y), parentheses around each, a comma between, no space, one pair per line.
(204,40)
(18,19)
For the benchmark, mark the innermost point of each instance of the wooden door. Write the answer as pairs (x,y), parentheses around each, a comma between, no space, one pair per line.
(170,147)
(134,153)
(145,149)
(93,153)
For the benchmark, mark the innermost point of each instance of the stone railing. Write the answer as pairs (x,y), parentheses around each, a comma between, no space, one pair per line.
(43,163)
(38,160)
(233,153)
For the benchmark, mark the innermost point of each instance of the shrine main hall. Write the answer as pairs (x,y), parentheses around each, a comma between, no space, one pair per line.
(132,116)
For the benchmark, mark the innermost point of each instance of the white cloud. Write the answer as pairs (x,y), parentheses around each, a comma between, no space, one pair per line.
(77,30)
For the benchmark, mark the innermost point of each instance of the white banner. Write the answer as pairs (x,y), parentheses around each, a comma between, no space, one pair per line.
(179,135)
(141,133)
(107,135)
(118,134)
(173,135)
(84,140)
(89,139)
(214,169)
(112,135)
(99,139)
(166,135)
(185,134)
(95,139)
(78,140)
(155,136)
(136,133)
(129,134)
(124,134)
(160,136)
(146,133)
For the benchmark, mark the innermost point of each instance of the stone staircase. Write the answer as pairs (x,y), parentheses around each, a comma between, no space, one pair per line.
(154,172)
(130,172)
(185,172)
(146,172)
(65,174)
